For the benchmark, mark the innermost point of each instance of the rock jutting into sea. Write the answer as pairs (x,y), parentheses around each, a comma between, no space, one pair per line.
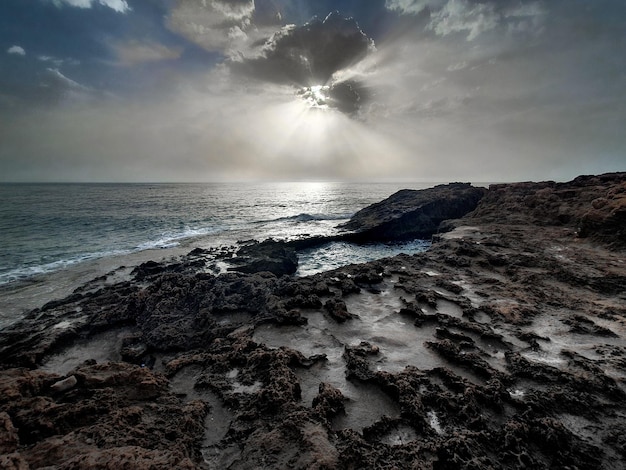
(502,346)
(410,214)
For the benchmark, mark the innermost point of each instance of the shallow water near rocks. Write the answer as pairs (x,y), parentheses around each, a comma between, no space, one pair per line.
(366,404)
(449,308)
(400,343)
(399,435)
(102,347)
(219,418)
(561,339)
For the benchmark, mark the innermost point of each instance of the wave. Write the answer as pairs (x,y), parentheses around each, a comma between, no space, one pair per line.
(167,240)
(27,272)
(171,240)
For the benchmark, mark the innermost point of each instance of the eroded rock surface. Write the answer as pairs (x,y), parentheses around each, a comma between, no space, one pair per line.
(503,346)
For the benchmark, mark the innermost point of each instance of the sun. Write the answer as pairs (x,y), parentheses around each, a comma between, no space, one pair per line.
(316,96)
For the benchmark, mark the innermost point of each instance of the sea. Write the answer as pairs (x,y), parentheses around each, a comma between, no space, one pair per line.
(54,237)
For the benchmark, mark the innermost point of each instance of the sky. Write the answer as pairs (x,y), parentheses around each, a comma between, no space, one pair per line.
(311,90)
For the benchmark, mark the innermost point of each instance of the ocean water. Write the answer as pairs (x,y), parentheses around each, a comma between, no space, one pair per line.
(47,229)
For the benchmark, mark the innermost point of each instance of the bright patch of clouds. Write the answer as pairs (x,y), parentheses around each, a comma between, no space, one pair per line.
(474,18)
(461,16)
(215,25)
(120,6)
(413,7)
(17,50)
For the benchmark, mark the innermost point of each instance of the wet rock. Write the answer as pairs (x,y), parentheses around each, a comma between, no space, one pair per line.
(412,214)
(329,402)
(337,310)
(198,252)
(583,325)
(455,354)
(369,276)
(304,301)
(290,317)
(459,338)
(357,363)
(348,286)
(149,268)
(133,348)
(268,256)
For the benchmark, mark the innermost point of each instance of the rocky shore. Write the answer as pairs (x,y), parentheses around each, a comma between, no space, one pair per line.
(503,346)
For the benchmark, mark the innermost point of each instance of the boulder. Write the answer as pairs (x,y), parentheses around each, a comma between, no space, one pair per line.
(410,214)
(273,256)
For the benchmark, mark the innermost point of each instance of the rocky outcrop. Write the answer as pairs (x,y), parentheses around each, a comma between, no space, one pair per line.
(411,214)
(594,206)
(272,256)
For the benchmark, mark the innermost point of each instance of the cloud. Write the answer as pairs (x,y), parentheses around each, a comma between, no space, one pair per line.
(135,52)
(17,50)
(457,66)
(257,47)
(318,101)
(309,57)
(216,25)
(414,7)
(58,78)
(57,88)
(120,6)
(57,62)
(462,16)
(310,54)
(474,18)
(526,18)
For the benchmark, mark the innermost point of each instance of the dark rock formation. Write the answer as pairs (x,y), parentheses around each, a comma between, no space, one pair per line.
(414,214)
(271,256)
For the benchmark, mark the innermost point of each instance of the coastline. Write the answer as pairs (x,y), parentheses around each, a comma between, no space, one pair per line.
(21,296)
(502,345)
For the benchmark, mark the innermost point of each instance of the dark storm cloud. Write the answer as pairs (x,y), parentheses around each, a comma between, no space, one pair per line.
(309,55)
(251,36)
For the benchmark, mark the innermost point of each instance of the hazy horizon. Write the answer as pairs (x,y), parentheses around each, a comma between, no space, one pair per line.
(302,90)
